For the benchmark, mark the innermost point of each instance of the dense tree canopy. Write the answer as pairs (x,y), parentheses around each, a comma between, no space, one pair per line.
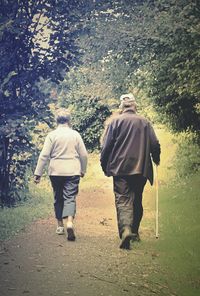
(174,62)
(153,46)
(98,49)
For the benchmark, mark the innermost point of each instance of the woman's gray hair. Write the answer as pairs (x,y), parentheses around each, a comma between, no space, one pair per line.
(62,116)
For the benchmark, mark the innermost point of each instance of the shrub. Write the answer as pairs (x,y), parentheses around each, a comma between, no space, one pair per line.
(187,160)
(88,117)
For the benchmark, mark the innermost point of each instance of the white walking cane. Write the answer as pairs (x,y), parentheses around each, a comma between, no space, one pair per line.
(156,183)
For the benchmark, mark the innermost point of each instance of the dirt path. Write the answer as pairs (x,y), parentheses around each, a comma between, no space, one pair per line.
(38,262)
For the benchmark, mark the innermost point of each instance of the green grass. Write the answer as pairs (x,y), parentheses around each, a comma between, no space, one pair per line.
(94,176)
(179,243)
(168,149)
(39,205)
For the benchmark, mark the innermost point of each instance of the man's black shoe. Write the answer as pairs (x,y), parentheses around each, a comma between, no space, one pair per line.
(127,236)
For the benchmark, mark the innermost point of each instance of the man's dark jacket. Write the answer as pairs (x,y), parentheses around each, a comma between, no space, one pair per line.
(128,145)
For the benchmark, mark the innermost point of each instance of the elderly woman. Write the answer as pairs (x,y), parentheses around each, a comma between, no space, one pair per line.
(67,156)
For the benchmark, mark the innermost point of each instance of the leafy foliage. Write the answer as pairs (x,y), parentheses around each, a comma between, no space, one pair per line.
(36,48)
(174,81)
(88,117)
(187,160)
(85,91)
(153,46)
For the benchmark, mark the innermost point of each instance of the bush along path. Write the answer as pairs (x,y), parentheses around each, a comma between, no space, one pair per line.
(39,262)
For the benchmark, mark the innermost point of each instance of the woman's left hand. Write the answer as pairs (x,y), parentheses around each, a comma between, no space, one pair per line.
(37,179)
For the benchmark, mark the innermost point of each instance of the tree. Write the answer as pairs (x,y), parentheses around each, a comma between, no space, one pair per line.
(153,46)
(37,46)
(172,62)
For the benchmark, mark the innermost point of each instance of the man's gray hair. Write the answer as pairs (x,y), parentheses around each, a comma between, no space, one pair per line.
(62,116)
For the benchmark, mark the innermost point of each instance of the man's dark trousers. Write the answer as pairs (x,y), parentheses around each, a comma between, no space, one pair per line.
(128,192)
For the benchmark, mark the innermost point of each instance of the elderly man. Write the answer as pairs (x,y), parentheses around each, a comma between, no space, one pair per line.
(128,145)
(67,156)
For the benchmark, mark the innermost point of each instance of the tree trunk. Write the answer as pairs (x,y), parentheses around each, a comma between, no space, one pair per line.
(4,171)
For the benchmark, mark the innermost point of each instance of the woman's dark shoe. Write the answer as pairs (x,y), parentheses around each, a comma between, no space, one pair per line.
(70,234)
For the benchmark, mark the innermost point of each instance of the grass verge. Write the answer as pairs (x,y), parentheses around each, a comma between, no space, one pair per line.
(179,243)
(39,205)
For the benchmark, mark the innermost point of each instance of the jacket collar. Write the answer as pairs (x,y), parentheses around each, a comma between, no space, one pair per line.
(129,110)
